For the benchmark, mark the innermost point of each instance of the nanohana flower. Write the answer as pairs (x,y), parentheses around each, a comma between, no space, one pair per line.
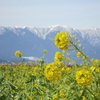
(84,58)
(59,56)
(96,62)
(83,98)
(45,51)
(36,85)
(36,59)
(30,97)
(78,55)
(61,40)
(95,94)
(55,97)
(92,68)
(68,69)
(18,54)
(83,77)
(62,93)
(58,59)
(35,69)
(52,72)
(42,57)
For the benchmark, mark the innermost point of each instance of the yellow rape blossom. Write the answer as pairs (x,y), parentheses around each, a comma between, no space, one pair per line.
(61,40)
(59,63)
(78,55)
(55,96)
(30,62)
(97,70)
(52,72)
(95,94)
(45,51)
(18,54)
(92,68)
(83,98)
(62,93)
(42,57)
(68,69)
(36,85)
(96,62)
(36,59)
(83,77)
(84,58)
(35,69)
(58,56)
(58,59)
(30,97)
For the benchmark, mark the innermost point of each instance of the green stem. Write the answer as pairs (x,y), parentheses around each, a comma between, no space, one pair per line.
(32,87)
(80,51)
(80,98)
(92,94)
(72,61)
(25,90)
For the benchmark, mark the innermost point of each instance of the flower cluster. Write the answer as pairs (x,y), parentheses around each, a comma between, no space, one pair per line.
(52,72)
(95,62)
(45,51)
(78,55)
(61,40)
(58,59)
(83,77)
(18,54)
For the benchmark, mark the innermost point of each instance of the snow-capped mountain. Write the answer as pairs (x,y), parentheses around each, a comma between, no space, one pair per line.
(31,41)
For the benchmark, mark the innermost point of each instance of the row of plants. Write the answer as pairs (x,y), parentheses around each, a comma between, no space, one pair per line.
(56,80)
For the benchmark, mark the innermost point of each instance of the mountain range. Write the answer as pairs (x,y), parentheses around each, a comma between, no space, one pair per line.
(31,41)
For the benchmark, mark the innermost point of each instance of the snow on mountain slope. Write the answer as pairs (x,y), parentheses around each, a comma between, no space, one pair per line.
(33,40)
(42,32)
(92,34)
(2,30)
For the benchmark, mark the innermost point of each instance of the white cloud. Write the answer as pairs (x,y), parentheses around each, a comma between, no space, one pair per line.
(31,58)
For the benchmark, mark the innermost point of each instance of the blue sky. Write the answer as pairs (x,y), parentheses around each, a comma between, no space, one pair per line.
(72,13)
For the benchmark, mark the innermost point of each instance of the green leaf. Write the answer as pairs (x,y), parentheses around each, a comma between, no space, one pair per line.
(1,80)
(3,97)
(13,87)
